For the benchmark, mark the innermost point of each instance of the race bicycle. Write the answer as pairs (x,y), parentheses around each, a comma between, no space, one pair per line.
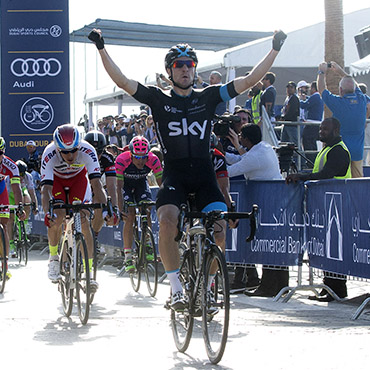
(144,246)
(204,276)
(74,259)
(4,249)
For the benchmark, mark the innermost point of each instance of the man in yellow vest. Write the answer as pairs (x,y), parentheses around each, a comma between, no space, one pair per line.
(256,103)
(333,161)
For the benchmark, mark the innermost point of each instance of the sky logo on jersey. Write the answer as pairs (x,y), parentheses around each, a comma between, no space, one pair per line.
(183,128)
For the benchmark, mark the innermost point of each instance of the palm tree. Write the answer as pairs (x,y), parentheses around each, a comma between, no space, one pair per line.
(334,40)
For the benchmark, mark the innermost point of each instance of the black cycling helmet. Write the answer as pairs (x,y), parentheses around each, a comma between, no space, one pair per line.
(22,167)
(178,51)
(97,140)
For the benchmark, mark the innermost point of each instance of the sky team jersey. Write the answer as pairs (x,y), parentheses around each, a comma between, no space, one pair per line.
(184,124)
(126,169)
(52,163)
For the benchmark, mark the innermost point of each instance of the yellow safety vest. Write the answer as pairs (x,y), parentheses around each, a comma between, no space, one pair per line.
(256,100)
(321,159)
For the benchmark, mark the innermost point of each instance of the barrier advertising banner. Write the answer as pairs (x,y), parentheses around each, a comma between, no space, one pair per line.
(34,72)
(279,237)
(338,236)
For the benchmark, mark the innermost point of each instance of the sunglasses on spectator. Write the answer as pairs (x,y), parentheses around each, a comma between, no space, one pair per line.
(140,156)
(69,151)
(181,63)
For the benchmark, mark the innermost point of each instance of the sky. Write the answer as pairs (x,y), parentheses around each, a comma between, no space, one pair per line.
(137,63)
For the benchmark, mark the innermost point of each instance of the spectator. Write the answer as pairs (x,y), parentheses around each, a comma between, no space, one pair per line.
(333,161)
(366,160)
(349,107)
(268,96)
(163,82)
(34,158)
(290,112)
(256,103)
(259,163)
(248,102)
(302,89)
(150,133)
(232,153)
(215,78)
(314,108)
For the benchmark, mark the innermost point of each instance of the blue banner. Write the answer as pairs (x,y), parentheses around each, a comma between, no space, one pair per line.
(34,72)
(338,235)
(279,237)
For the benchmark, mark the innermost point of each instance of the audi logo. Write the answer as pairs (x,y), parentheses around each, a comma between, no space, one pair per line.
(35,67)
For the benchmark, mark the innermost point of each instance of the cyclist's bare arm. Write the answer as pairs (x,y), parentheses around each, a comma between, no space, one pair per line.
(119,195)
(130,86)
(98,191)
(46,195)
(111,184)
(243,83)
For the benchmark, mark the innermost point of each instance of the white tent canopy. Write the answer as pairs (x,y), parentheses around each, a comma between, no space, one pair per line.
(303,48)
(360,67)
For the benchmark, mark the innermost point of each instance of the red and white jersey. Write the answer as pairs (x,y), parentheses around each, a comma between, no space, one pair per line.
(8,168)
(52,163)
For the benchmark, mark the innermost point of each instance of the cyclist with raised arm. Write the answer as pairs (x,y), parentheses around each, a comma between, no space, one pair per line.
(132,168)
(69,162)
(29,196)
(8,168)
(183,121)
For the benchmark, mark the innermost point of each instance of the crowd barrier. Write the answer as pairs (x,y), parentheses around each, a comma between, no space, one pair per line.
(326,222)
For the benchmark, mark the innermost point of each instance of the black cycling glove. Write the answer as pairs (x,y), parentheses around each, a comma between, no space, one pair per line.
(278,40)
(97,39)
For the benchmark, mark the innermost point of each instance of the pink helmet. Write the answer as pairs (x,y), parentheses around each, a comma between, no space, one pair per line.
(139,145)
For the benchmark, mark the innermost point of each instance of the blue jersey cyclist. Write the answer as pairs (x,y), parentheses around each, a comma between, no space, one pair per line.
(183,122)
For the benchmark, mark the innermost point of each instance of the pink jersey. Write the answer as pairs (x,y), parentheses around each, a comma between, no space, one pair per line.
(126,169)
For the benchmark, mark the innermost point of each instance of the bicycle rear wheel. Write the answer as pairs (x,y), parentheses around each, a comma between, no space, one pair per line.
(82,279)
(135,276)
(150,264)
(182,322)
(3,261)
(216,304)
(64,285)
(22,244)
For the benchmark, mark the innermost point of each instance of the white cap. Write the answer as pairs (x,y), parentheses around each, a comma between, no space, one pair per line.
(302,84)
(30,143)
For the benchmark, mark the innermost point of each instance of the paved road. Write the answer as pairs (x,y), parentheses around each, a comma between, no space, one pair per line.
(130,330)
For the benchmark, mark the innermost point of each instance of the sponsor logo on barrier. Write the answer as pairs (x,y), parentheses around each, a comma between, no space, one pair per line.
(40,67)
(334,232)
(37,114)
(55,31)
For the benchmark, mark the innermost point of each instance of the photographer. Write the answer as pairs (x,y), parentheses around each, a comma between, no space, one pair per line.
(231,123)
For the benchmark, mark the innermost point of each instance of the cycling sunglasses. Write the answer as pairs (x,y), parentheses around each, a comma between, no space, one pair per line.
(181,63)
(69,151)
(140,156)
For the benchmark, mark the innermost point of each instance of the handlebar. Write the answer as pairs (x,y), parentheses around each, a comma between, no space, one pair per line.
(213,216)
(73,207)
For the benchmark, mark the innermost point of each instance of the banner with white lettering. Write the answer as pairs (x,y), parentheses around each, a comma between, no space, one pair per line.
(34,72)
(279,237)
(338,236)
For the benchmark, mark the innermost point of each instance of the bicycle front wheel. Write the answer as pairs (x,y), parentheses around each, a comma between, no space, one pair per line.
(3,261)
(150,262)
(135,275)
(65,289)
(216,304)
(182,322)
(82,279)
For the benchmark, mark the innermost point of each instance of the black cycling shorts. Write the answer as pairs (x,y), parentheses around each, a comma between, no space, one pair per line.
(180,180)
(136,191)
